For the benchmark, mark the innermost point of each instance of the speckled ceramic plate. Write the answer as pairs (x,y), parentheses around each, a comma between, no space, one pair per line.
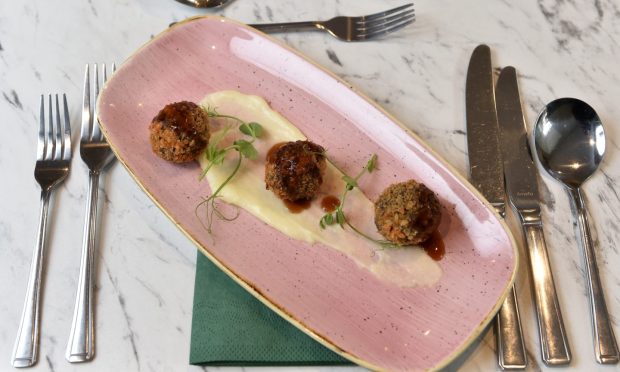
(318,289)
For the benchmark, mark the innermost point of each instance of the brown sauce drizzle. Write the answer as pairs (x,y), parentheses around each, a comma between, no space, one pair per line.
(177,117)
(435,247)
(297,206)
(329,203)
(273,149)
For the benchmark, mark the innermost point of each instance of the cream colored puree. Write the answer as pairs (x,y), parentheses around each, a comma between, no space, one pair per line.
(404,267)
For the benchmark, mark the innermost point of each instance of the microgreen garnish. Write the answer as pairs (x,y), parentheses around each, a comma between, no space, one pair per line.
(252,129)
(216,154)
(338,216)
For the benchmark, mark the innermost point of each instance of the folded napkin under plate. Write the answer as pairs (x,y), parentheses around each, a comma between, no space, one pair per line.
(231,327)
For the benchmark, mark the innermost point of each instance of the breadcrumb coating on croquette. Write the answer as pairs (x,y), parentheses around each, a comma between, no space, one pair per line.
(180,132)
(294,171)
(407,213)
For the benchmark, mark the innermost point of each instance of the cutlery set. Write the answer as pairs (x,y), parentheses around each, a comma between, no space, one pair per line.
(51,169)
(501,165)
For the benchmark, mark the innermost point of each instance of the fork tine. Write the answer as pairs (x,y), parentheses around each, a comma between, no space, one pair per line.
(49,133)
(85,130)
(386,13)
(58,133)
(105,80)
(41,145)
(362,23)
(96,129)
(66,138)
(384,26)
(375,34)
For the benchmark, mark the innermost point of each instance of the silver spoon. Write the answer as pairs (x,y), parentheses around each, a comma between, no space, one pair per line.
(570,143)
(204,3)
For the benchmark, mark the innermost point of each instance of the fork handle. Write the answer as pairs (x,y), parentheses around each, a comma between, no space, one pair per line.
(26,348)
(287,26)
(81,346)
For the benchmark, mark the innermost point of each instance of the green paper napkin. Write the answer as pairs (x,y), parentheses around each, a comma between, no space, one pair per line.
(231,327)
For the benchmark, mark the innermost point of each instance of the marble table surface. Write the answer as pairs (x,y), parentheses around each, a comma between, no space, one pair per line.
(145,272)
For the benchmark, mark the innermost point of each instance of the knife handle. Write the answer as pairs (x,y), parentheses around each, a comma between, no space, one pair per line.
(553,340)
(511,352)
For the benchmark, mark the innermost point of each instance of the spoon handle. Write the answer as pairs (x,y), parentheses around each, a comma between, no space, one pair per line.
(604,340)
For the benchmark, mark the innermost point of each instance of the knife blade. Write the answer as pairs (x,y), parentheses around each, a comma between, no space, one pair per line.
(522,190)
(485,166)
(487,175)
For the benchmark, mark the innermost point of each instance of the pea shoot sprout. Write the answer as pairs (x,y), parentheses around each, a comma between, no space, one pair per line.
(215,154)
(338,216)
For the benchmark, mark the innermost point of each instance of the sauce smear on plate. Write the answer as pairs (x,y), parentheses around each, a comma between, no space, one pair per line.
(329,203)
(297,206)
(435,247)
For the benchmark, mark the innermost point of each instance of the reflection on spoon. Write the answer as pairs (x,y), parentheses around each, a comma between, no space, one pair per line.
(570,143)
(204,3)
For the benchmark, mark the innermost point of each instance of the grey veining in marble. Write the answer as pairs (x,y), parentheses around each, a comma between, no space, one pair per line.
(146,266)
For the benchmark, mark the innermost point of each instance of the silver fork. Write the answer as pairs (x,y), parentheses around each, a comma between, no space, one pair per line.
(52,167)
(96,153)
(352,28)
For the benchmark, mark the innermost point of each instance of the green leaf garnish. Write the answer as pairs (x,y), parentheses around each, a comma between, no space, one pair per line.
(246,149)
(372,163)
(209,202)
(252,129)
(326,220)
(216,154)
(340,217)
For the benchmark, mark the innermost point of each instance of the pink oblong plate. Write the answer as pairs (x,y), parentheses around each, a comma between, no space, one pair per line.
(318,289)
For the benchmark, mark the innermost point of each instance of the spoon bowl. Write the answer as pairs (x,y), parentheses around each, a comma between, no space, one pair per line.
(204,3)
(569,140)
(570,143)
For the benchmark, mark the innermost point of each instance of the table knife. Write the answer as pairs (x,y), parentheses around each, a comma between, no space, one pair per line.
(522,190)
(487,175)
